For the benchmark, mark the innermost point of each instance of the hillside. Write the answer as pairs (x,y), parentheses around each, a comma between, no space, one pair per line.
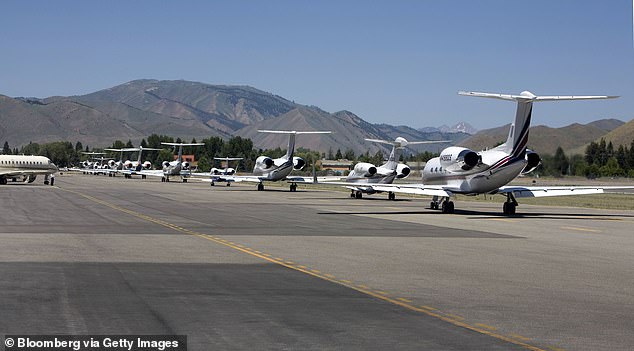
(188,110)
(543,139)
(623,135)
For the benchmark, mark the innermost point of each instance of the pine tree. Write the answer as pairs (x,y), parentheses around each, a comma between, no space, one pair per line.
(6,150)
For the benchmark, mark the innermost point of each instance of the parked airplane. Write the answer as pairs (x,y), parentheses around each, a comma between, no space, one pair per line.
(216,173)
(174,168)
(27,167)
(365,175)
(273,170)
(128,168)
(459,170)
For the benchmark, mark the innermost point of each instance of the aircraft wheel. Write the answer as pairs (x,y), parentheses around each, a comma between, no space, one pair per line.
(391,196)
(260,187)
(143,176)
(163,180)
(508,208)
(45,182)
(352,194)
(212,184)
(228,184)
(358,195)
(447,207)
(293,187)
(184,180)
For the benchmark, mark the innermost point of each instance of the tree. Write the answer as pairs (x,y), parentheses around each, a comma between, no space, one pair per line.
(560,162)
(330,154)
(78,147)
(349,155)
(338,155)
(6,150)
(204,164)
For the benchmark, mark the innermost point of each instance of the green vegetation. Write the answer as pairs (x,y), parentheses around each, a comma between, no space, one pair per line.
(600,160)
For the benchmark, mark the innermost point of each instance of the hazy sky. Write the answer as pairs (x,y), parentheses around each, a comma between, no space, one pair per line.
(398,62)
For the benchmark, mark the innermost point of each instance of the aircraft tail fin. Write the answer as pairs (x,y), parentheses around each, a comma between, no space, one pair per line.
(518,133)
(291,138)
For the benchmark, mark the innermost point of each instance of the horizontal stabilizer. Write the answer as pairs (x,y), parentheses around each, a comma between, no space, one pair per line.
(292,132)
(401,142)
(228,158)
(181,144)
(528,96)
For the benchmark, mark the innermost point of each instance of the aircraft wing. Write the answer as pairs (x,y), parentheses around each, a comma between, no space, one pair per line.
(535,191)
(414,189)
(229,179)
(152,173)
(322,179)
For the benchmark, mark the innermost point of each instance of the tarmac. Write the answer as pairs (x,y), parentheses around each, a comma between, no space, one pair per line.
(234,268)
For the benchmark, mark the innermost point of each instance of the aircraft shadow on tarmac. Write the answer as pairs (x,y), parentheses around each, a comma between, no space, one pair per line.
(486,214)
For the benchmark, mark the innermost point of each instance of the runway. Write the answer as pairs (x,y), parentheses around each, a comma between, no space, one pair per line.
(234,268)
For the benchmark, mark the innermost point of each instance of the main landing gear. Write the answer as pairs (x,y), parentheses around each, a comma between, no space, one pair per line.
(391,196)
(509,206)
(293,187)
(260,187)
(445,205)
(356,194)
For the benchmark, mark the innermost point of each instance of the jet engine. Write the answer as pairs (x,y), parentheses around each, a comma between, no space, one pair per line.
(185,165)
(532,161)
(147,165)
(111,163)
(264,162)
(298,163)
(85,164)
(457,158)
(402,171)
(231,171)
(127,164)
(165,164)
(365,169)
(215,171)
(32,178)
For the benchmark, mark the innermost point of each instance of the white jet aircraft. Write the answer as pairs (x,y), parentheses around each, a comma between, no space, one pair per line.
(273,170)
(215,174)
(27,167)
(459,170)
(365,176)
(174,168)
(129,168)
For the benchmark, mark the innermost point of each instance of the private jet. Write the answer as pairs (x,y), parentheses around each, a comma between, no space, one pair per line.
(216,174)
(28,167)
(178,167)
(267,169)
(364,176)
(459,170)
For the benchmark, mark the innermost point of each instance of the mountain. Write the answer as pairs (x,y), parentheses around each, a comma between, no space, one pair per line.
(188,110)
(185,109)
(622,135)
(545,140)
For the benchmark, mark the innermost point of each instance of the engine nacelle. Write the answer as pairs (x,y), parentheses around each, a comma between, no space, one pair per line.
(230,171)
(147,165)
(402,171)
(185,165)
(127,164)
(165,164)
(457,158)
(365,169)
(85,164)
(532,161)
(111,163)
(298,163)
(264,162)
(215,171)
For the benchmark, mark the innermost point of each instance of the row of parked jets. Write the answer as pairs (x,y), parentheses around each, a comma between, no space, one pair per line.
(457,170)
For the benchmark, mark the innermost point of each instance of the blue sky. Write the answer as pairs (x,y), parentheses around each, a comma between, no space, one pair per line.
(397,62)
